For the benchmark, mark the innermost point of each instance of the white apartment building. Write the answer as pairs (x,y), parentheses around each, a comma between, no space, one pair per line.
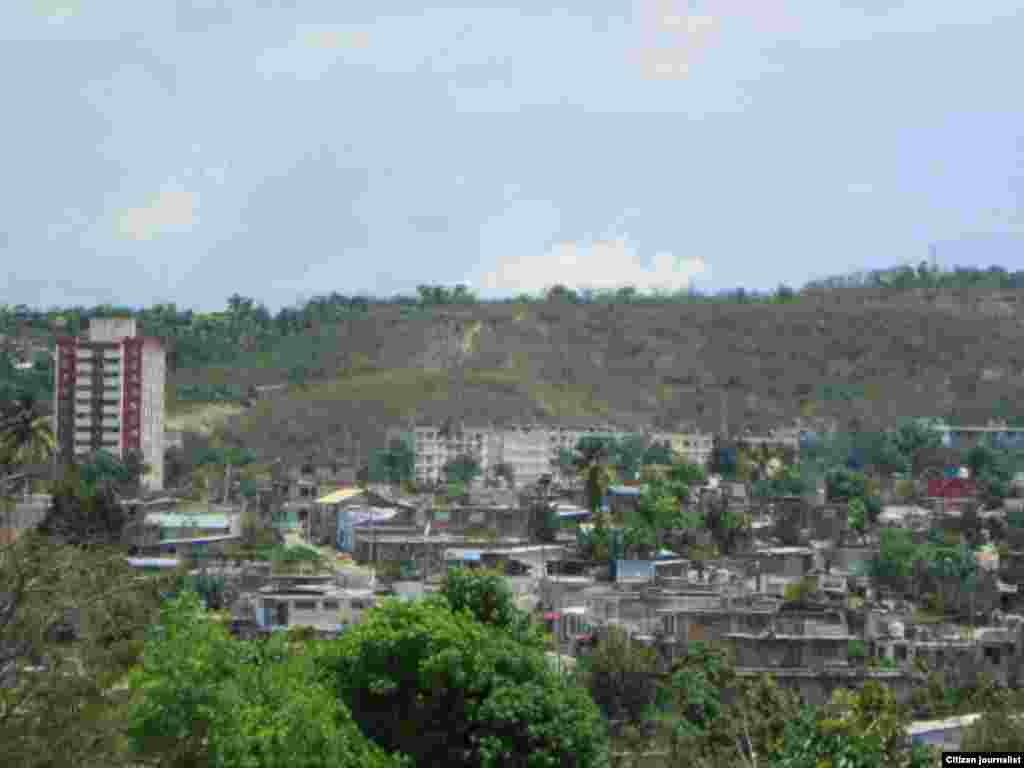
(109,394)
(530,450)
(433,449)
(527,450)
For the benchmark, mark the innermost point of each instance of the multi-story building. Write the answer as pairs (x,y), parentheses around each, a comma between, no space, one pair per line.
(695,447)
(433,447)
(109,395)
(526,450)
(530,450)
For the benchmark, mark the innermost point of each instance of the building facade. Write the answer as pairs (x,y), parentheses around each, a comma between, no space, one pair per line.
(109,395)
(695,447)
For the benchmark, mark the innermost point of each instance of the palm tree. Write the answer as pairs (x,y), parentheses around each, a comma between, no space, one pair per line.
(25,436)
(591,463)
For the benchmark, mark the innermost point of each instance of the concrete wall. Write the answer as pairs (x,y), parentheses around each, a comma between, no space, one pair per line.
(108,329)
(154,374)
(811,652)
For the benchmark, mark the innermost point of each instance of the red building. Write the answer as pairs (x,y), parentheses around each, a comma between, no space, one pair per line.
(109,394)
(951,488)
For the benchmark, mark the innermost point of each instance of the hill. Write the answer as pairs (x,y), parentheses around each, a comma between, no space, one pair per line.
(858,355)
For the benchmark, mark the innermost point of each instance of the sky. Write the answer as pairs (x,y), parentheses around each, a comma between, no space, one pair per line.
(183,151)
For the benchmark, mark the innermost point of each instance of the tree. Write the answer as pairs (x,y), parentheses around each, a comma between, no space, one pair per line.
(592,463)
(544,521)
(462,469)
(487,597)
(912,438)
(206,699)
(395,465)
(84,511)
(25,435)
(657,453)
(657,513)
(844,484)
(894,563)
(71,623)
(858,730)
(629,454)
(621,676)
(998,730)
(856,516)
(445,689)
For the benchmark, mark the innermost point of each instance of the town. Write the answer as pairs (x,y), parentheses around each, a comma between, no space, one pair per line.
(820,560)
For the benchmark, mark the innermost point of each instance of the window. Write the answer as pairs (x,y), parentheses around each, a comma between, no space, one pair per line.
(305,605)
(331,605)
(992,654)
(901,653)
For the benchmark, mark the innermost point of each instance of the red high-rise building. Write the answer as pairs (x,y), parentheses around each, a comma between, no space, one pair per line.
(110,394)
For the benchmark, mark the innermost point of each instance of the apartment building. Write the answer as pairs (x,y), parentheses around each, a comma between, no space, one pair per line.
(530,450)
(695,447)
(434,446)
(109,394)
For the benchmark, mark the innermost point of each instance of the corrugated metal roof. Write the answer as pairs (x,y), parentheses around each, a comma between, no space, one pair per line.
(336,497)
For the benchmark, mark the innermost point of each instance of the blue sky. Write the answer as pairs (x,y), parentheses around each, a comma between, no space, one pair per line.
(182,151)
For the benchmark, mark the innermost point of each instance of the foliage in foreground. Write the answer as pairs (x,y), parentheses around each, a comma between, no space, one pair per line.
(449,690)
(71,625)
(202,698)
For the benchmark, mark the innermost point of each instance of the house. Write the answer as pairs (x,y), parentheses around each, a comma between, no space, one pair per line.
(960,655)
(309,602)
(324,523)
(181,525)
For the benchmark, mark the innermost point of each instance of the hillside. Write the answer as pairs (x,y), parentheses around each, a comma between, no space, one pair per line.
(860,354)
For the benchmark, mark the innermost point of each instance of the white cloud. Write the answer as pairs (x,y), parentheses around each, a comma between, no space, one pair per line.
(672,38)
(600,264)
(172,210)
(334,38)
(860,188)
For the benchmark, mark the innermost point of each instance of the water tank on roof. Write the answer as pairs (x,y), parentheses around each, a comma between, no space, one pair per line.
(896,629)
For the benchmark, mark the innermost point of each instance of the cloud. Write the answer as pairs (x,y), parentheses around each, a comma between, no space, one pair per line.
(335,38)
(672,38)
(172,210)
(599,264)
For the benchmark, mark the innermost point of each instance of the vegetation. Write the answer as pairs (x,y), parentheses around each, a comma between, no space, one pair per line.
(445,689)
(71,626)
(202,698)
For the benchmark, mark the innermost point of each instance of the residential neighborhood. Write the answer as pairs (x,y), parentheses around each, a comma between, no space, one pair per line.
(598,385)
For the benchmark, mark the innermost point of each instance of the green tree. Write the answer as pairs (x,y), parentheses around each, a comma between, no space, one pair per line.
(25,434)
(998,730)
(84,511)
(856,516)
(486,595)
(914,438)
(462,469)
(894,563)
(202,698)
(844,484)
(448,690)
(621,676)
(859,730)
(71,626)
(395,465)
(592,463)
(629,455)
(657,453)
